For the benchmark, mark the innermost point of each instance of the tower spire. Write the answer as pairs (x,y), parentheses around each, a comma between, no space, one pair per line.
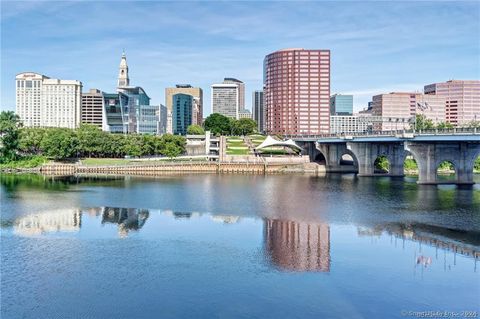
(123,79)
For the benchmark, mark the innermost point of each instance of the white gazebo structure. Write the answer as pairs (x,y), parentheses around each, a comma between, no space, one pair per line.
(270,141)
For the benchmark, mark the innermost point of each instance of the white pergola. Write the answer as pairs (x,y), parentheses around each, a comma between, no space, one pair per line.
(270,141)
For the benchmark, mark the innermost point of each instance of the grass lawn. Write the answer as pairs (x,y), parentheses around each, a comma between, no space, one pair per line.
(257,136)
(25,162)
(105,161)
(256,142)
(275,151)
(238,151)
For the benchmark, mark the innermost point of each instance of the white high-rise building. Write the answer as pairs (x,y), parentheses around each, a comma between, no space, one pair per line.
(241,92)
(225,99)
(45,102)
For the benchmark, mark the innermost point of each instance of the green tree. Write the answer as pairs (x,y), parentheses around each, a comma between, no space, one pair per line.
(90,141)
(115,145)
(9,135)
(381,163)
(172,145)
(59,143)
(171,150)
(422,123)
(133,146)
(148,144)
(195,129)
(31,140)
(472,124)
(218,124)
(243,126)
(444,125)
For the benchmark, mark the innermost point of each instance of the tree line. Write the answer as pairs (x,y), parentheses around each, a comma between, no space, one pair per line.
(424,123)
(220,124)
(86,141)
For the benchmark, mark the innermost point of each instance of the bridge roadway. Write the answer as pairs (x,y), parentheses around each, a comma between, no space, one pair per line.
(429,148)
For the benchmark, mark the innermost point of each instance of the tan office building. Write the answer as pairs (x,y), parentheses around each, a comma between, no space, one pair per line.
(462,100)
(93,108)
(398,109)
(197,105)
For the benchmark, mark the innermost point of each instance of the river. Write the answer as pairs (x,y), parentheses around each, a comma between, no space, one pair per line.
(237,246)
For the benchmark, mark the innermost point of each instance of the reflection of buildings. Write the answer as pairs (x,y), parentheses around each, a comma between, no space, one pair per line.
(68,220)
(298,246)
(226,219)
(127,218)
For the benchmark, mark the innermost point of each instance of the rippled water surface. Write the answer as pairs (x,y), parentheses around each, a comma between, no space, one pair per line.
(237,246)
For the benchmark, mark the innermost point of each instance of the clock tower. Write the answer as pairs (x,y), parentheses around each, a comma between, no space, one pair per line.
(123,79)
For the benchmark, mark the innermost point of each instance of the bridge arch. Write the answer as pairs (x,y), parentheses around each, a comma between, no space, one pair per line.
(473,160)
(348,158)
(320,158)
(410,163)
(443,169)
(382,164)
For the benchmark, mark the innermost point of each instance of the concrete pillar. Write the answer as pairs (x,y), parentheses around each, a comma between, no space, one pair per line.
(396,158)
(467,154)
(424,155)
(363,153)
(367,153)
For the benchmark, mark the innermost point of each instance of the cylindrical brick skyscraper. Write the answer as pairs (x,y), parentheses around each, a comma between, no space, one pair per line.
(297,91)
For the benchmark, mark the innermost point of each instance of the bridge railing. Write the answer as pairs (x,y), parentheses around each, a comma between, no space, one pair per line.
(451,131)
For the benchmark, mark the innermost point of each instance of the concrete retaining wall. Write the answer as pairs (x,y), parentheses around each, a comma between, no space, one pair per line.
(157,169)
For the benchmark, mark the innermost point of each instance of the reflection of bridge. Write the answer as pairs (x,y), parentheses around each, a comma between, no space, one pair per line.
(429,148)
(444,238)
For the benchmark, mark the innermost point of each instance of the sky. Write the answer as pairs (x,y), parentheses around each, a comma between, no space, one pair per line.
(376,47)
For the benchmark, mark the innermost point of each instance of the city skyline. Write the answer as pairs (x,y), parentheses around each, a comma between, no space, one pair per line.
(231,40)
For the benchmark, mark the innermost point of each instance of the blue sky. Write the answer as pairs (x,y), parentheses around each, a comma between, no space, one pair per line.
(377,47)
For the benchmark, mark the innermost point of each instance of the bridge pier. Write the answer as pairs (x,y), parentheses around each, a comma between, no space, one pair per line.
(430,155)
(367,152)
(333,154)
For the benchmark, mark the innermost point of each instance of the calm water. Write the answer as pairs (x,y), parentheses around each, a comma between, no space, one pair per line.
(237,246)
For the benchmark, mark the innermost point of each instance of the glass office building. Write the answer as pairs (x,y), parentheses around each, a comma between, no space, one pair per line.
(341,104)
(182,113)
(116,107)
(148,119)
(136,98)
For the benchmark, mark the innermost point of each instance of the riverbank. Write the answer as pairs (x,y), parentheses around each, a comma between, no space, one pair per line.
(157,167)
(134,167)
(152,166)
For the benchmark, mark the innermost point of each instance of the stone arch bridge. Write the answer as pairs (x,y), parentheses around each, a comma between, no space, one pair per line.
(429,149)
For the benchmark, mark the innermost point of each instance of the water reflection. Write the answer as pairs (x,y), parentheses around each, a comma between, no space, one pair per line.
(226,219)
(290,243)
(465,243)
(295,246)
(127,219)
(67,220)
